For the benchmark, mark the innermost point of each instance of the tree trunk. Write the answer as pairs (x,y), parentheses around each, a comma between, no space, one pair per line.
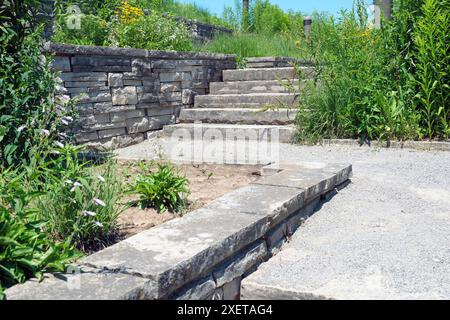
(386,8)
(245,14)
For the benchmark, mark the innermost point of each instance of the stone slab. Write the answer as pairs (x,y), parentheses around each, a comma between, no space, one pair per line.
(312,181)
(245,87)
(252,100)
(259,74)
(240,263)
(238,116)
(283,134)
(84,286)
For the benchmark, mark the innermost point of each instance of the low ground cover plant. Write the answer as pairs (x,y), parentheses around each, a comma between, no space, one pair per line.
(25,251)
(163,188)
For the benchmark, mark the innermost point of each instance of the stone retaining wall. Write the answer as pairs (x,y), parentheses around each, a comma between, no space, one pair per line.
(206,253)
(123,94)
(202,32)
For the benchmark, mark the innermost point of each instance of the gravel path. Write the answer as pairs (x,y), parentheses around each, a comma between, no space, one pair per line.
(385,236)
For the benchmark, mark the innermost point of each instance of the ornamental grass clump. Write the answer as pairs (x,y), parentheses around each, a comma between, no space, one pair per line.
(80,205)
(162,189)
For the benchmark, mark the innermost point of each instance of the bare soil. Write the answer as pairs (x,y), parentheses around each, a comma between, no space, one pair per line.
(207,182)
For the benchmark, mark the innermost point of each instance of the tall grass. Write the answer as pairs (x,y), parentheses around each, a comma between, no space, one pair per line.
(379,84)
(190,11)
(431,41)
(252,45)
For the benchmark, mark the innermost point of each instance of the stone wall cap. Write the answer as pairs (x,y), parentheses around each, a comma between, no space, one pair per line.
(68,50)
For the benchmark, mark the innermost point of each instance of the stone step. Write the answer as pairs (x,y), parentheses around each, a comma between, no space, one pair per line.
(265,74)
(246,87)
(254,100)
(238,116)
(198,131)
(270,62)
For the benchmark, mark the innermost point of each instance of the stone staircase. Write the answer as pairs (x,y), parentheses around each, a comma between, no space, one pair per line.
(254,99)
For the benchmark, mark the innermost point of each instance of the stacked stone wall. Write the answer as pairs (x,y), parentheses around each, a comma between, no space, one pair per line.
(124,94)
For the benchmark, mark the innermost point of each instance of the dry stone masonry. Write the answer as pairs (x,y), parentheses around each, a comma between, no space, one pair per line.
(202,32)
(124,94)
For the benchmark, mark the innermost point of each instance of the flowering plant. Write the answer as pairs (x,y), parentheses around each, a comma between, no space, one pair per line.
(127,13)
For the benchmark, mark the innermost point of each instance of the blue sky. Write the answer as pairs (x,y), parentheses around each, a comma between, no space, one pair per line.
(306,6)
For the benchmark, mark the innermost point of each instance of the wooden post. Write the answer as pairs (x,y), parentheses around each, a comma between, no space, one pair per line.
(307,21)
(386,8)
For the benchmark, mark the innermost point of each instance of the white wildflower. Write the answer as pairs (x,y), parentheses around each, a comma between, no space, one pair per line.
(99,202)
(59,144)
(75,185)
(20,129)
(98,224)
(64,99)
(89,213)
(45,132)
(56,152)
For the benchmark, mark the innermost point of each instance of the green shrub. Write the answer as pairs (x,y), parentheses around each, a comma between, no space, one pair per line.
(31,110)
(42,217)
(154,32)
(265,18)
(368,79)
(25,251)
(268,18)
(190,11)
(164,189)
(93,31)
(380,84)
(431,41)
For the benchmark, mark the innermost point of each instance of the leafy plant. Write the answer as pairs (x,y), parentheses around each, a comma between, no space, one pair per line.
(378,84)
(163,189)
(26,252)
(264,18)
(153,32)
(432,47)
(190,11)
(93,31)
(31,109)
